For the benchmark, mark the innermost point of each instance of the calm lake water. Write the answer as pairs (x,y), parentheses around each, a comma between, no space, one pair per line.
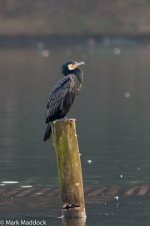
(112,112)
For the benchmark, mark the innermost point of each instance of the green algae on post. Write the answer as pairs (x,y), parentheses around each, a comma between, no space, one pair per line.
(69,167)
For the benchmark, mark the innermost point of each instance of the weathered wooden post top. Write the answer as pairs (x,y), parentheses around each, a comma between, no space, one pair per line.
(69,167)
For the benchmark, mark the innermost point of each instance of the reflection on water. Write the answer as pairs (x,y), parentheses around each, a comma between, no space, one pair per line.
(74,222)
(112,114)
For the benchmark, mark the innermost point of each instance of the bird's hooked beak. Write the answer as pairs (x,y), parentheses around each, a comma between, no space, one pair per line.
(75,65)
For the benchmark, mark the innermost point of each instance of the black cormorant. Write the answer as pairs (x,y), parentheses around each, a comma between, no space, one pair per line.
(63,94)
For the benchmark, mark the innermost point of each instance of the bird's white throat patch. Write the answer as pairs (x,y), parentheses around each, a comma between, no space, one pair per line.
(72,66)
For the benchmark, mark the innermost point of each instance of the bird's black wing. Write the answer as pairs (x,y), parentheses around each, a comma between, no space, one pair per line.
(57,96)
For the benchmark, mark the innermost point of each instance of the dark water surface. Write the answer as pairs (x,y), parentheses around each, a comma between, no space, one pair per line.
(112,112)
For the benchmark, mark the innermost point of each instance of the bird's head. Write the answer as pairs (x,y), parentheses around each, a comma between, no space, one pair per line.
(70,67)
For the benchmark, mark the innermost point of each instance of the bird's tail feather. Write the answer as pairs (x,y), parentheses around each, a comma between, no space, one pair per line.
(48,133)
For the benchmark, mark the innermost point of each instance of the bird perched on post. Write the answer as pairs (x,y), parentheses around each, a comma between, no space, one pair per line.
(63,94)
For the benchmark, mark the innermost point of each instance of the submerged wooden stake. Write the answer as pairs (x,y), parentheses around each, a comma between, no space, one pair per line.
(69,167)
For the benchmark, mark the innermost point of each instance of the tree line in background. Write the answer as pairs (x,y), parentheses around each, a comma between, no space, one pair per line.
(75,17)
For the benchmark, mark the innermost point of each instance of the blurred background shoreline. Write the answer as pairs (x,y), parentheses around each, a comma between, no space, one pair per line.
(21,41)
(52,21)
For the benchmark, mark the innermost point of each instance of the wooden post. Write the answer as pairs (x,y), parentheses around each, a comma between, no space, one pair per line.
(69,167)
